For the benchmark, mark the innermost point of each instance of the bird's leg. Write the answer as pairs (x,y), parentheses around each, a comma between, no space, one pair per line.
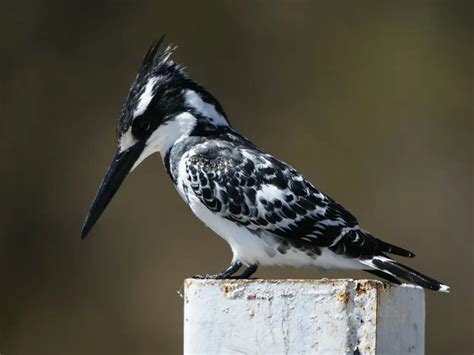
(249,271)
(227,273)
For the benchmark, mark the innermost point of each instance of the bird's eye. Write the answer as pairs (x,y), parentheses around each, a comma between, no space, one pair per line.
(140,126)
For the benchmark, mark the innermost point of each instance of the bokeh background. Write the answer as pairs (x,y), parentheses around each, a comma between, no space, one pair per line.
(371,100)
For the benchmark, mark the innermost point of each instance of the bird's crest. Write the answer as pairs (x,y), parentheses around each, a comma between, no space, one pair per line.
(156,67)
(156,60)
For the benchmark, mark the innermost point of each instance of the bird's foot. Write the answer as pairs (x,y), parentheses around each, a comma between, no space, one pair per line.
(247,272)
(218,276)
(228,274)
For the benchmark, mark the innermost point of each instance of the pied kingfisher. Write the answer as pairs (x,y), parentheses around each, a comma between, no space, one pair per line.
(265,209)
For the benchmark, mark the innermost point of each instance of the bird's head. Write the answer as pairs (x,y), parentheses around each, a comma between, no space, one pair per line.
(163,106)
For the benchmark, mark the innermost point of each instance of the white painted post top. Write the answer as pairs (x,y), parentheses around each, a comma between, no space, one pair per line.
(303,317)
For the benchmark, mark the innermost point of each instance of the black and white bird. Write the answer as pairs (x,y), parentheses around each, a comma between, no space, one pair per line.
(266,210)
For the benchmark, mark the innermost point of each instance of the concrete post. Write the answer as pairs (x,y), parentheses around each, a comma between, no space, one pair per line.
(302,317)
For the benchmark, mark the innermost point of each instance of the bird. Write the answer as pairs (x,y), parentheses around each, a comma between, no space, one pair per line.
(267,211)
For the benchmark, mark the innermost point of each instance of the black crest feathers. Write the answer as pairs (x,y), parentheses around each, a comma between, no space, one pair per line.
(155,57)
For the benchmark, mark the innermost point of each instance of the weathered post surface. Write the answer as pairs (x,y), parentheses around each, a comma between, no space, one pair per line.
(303,317)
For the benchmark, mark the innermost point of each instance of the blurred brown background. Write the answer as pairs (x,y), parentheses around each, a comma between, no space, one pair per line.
(370,100)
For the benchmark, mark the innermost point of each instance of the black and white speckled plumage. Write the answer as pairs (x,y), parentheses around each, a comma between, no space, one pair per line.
(230,177)
(264,208)
(238,182)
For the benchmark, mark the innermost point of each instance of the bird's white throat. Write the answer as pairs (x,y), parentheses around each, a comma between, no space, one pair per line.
(166,135)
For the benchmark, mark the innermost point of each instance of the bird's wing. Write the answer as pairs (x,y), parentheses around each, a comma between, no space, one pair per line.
(258,191)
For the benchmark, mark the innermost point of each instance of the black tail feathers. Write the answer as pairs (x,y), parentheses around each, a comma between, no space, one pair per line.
(388,268)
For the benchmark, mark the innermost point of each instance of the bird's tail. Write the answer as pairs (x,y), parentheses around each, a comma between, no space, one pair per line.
(391,267)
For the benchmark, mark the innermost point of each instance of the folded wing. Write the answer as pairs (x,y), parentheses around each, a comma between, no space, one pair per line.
(261,193)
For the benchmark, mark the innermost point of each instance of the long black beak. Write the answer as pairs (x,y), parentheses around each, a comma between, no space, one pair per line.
(121,165)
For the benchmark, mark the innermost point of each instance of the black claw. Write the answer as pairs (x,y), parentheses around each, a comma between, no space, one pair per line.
(226,274)
(218,276)
(203,277)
